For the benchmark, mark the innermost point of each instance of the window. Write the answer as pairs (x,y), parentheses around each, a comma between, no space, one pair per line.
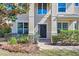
(76,4)
(61,7)
(22,28)
(42,8)
(65,26)
(76,25)
(58,27)
(25,28)
(62,26)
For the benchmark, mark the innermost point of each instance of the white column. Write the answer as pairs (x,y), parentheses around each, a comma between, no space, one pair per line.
(31,19)
(54,26)
(54,20)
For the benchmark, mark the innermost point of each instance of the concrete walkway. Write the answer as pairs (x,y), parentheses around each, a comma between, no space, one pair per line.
(44,46)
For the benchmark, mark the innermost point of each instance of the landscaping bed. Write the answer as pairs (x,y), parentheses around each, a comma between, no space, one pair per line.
(21,43)
(28,48)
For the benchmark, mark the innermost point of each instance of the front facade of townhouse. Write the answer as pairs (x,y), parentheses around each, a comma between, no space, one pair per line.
(47,19)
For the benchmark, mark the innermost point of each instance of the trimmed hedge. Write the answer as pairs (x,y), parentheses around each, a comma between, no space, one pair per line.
(70,37)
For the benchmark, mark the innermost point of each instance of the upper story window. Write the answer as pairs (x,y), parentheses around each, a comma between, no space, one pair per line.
(42,8)
(76,4)
(61,7)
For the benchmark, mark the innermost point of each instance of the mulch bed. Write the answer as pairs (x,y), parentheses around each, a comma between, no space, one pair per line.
(30,47)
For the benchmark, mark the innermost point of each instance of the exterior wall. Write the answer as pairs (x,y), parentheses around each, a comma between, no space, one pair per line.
(37,17)
(34,19)
(20,18)
(70,8)
(71,22)
(38,20)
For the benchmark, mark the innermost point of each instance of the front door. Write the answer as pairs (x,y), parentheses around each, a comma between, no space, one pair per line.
(42,29)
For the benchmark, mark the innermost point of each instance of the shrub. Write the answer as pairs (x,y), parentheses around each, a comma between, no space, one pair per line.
(4,29)
(70,37)
(1,33)
(55,39)
(23,39)
(7,30)
(12,41)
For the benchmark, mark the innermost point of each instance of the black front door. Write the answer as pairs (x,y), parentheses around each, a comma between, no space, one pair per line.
(42,30)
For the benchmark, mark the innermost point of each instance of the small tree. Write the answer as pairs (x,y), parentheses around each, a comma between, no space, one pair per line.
(9,12)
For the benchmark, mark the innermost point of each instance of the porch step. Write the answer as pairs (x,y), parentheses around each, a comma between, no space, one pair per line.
(44,41)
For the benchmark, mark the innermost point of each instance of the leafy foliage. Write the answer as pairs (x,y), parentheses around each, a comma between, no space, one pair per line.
(67,37)
(4,29)
(22,39)
(11,10)
(55,39)
(18,39)
(12,40)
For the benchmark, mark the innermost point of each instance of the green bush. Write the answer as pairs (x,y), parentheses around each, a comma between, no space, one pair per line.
(55,39)
(1,33)
(70,36)
(23,39)
(12,40)
(7,30)
(4,30)
(67,37)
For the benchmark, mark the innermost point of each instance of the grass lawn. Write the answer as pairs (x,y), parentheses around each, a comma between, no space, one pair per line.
(42,53)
